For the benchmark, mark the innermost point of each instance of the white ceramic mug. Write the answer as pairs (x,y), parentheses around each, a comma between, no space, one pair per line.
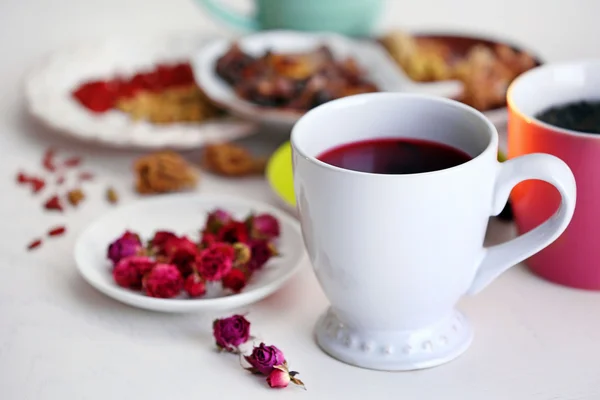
(394,253)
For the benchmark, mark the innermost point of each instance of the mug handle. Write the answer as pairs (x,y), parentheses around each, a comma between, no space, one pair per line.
(544,167)
(229,17)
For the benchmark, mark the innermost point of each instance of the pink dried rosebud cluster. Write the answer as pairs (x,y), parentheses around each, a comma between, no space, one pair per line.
(229,333)
(229,251)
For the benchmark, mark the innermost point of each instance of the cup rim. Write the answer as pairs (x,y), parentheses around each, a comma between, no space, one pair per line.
(361,98)
(531,118)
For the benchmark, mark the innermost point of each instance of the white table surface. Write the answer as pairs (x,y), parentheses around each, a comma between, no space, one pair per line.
(60,339)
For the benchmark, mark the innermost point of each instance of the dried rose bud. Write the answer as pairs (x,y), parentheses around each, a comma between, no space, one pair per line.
(262,251)
(195,286)
(215,262)
(231,332)
(263,226)
(129,271)
(278,378)
(75,197)
(181,252)
(163,281)
(216,220)
(158,242)
(235,280)
(264,358)
(233,232)
(127,245)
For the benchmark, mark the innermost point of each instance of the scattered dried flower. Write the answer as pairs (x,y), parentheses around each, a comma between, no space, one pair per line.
(72,162)
(112,196)
(164,172)
(278,378)
(86,176)
(264,358)
(53,203)
(231,160)
(37,184)
(231,332)
(34,244)
(58,231)
(75,197)
(48,160)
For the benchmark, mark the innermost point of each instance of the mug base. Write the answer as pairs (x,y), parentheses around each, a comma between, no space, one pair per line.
(394,351)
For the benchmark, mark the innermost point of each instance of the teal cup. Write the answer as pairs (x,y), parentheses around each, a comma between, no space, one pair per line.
(347,17)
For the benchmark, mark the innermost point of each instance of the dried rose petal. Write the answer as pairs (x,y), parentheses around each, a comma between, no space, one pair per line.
(48,160)
(72,162)
(37,184)
(60,180)
(58,231)
(86,176)
(22,178)
(53,203)
(34,244)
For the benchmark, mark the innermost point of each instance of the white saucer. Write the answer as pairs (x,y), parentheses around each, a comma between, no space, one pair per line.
(185,214)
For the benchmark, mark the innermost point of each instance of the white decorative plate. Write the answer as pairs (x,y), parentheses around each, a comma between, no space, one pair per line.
(48,93)
(185,214)
(377,64)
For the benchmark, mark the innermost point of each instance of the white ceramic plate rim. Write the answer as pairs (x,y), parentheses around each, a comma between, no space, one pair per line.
(48,97)
(246,297)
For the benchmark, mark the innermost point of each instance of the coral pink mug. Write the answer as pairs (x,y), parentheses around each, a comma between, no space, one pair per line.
(573,259)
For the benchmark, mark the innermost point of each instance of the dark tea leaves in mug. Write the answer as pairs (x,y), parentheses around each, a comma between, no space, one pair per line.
(394,156)
(581,116)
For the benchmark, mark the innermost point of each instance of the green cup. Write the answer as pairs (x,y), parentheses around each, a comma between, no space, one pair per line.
(347,17)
